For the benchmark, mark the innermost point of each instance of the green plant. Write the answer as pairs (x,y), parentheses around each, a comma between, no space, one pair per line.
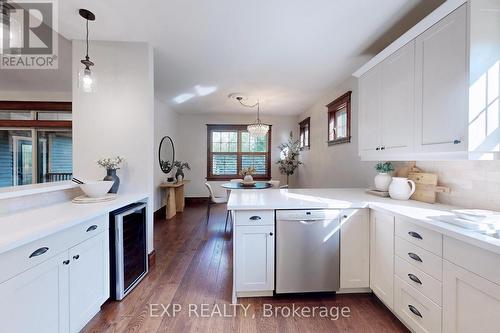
(289,157)
(385,167)
(182,165)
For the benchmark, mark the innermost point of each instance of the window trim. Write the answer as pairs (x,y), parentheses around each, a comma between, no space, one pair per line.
(302,125)
(333,108)
(235,127)
(36,106)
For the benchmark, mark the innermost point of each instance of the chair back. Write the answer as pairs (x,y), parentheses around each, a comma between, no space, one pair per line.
(284,186)
(236,180)
(210,191)
(274,183)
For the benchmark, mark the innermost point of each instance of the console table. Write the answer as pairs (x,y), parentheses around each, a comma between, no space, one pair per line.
(174,197)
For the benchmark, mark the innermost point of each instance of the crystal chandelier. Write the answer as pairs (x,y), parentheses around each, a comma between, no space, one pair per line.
(257,129)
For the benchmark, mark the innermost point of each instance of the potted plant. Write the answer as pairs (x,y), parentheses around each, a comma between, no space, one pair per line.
(289,157)
(383,178)
(111,165)
(247,174)
(179,174)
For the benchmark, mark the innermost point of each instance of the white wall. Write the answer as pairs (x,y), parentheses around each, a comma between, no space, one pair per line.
(166,123)
(338,165)
(118,119)
(191,145)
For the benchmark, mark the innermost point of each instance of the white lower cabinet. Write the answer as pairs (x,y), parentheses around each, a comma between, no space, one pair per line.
(88,280)
(382,256)
(37,299)
(355,249)
(60,294)
(254,258)
(471,303)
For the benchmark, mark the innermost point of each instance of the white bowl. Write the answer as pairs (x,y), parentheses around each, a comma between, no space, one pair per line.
(96,189)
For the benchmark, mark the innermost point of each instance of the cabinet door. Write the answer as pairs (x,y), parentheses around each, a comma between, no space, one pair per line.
(382,256)
(397,94)
(254,262)
(88,279)
(470,303)
(441,85)
(37,299)
(369,111)
(355,249)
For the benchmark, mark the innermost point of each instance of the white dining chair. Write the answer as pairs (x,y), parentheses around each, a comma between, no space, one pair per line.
(274,183)
(284,186)
(213,200)
(238,180)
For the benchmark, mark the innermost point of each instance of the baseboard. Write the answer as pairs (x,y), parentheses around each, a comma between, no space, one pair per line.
(160,213)
(152,258)
(197,200)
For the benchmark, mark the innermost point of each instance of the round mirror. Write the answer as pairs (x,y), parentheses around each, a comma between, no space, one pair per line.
(166,154)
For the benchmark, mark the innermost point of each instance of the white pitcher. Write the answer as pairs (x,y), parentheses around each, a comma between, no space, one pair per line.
(401,188)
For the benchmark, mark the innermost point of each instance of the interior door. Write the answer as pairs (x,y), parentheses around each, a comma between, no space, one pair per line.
(398,89)
(441,85)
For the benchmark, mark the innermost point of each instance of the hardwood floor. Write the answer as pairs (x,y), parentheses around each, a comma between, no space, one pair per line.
(194,266)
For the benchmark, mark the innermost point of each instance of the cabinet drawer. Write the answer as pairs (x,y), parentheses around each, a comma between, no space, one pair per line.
(427,239)
(255,217)
(418,312)
(423,282)
(24,257)
(419,258)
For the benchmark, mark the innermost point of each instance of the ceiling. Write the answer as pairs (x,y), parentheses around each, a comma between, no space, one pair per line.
(286,52)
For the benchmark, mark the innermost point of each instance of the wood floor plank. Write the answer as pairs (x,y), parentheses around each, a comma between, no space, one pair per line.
(194,266)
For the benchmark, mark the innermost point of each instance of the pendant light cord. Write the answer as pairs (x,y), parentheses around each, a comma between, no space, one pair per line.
(87,39)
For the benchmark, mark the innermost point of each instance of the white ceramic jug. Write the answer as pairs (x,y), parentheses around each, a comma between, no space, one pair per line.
(401,188)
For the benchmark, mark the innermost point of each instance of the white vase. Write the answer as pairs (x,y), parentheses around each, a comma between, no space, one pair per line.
(248,179)
(401,188)
(382,181)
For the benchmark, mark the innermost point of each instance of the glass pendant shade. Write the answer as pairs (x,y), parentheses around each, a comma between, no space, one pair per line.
(87,80)
(258,129)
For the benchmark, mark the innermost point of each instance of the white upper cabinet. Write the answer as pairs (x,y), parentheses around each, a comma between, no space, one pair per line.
(369,112)
(434,92)
(441,85)
(397,93)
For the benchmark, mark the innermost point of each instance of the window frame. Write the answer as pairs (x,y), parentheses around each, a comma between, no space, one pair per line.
(302,125)
(337,105)
(239,128)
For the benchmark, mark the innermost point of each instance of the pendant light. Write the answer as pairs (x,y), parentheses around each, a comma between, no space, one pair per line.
(257,129)
(86,78)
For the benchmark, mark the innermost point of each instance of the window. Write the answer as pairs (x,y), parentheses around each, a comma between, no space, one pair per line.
(231,148)
(35,142)
(339,120)
(304,132)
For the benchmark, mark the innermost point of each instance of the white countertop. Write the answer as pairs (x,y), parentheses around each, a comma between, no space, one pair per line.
(357,198)
(27,226)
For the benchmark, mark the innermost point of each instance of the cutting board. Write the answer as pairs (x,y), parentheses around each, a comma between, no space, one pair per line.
(426,186)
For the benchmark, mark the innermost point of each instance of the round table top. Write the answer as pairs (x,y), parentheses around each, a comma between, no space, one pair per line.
(240,186)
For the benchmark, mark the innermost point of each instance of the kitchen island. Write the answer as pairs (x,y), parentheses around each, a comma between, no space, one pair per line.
(400,250)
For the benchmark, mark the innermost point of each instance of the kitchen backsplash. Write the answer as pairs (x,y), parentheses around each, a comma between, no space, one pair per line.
(473,184)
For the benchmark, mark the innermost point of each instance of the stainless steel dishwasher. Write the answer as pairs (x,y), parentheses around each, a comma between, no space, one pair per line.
(307,251)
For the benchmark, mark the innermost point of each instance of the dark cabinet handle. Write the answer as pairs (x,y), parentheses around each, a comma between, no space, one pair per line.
(378,148)
(414,256)
(456,142)
(270,234)
(345,216)
(255,218)
(66,262)
(91,228)
(76,257)
(414,310)
(39,252)
(414,278)
(382,148)
(414,234)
